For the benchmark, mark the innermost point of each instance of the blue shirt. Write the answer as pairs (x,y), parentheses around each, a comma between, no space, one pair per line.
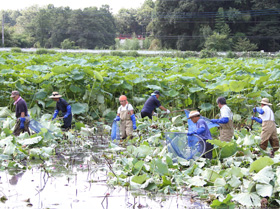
(61,105)
(206,134)
(151,104)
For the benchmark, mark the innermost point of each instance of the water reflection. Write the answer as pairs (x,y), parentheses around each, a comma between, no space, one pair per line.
(77,180)
(35,188)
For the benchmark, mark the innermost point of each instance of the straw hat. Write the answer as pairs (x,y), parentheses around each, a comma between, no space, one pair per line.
(265,101)
(193,114)
(55,95)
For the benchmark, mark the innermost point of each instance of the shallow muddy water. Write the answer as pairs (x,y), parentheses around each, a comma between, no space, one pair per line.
(78,181)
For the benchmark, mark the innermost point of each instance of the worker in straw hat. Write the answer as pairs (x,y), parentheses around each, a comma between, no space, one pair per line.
(151,104)
(125,114)
(269,132)
(22,124)
(225,121)
(64,107)
(202,131)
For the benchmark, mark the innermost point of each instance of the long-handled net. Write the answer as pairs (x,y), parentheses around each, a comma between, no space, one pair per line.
(187,147)
(179,144)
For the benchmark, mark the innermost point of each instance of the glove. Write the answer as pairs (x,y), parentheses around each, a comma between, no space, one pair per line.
(222,120)
(191,133)
(22,120)
(55,114)
(133,121)
(214,120)
(117,118)
(68,111)
(167,111)
(259,120)
(154,114)
(259,110)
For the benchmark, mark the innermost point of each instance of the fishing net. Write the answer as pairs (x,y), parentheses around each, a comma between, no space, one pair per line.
(115,133)
(35,126)
(187,147)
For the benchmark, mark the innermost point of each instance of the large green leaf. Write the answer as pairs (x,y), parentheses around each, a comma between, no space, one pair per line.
(98,76)
(30,141)
(75,89)
(140,179)
(142,151)
(265,175)
(60,69)
(264,190)
(248,199)
(260,163)
(206,106)
(160,167)
(79,108)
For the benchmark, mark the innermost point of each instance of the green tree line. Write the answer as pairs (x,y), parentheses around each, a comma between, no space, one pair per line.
(229,25)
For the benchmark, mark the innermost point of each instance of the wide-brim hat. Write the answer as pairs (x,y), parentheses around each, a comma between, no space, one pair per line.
(265,101)
(55,95)
(193,114)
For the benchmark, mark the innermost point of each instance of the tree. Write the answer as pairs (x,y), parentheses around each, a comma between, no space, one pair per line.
(244,45)
(218,42)
(126,22)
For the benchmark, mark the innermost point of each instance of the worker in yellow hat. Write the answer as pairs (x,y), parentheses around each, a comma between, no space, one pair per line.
(125,114)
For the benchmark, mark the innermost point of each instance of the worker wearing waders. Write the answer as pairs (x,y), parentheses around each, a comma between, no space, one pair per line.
(151,104)
(126,115)
(225,121)
(202,131)
(23,120)
(65,108)
(269,132)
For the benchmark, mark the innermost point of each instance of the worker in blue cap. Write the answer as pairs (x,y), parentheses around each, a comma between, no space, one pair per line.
(151,104)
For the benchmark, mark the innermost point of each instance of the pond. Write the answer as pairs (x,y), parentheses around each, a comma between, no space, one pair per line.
(78,179)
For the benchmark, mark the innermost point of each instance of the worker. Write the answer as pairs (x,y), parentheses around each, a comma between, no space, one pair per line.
(23,120)
(202,131)
(225,121)
(125,114)
(269,132)
(65,108)
(151,104)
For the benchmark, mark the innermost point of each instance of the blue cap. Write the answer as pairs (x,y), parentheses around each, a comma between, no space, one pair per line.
(156,93)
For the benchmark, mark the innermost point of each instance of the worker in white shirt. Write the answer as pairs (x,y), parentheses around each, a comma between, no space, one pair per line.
(269,132)
(126,115)
(225,121)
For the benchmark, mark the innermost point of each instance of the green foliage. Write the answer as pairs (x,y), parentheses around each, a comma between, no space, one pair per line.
(230,54)
(207,53)
(45,51)
(123,54)
(68,44)
(16,50)
(218,42)
(131,44)
(244,45)
(147,43)
(155,44)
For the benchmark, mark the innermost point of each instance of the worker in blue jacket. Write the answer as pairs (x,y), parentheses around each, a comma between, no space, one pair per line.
(202,131)
(64,107)
(151,104)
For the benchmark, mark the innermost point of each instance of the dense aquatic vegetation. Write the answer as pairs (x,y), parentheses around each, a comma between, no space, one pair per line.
(92,85)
